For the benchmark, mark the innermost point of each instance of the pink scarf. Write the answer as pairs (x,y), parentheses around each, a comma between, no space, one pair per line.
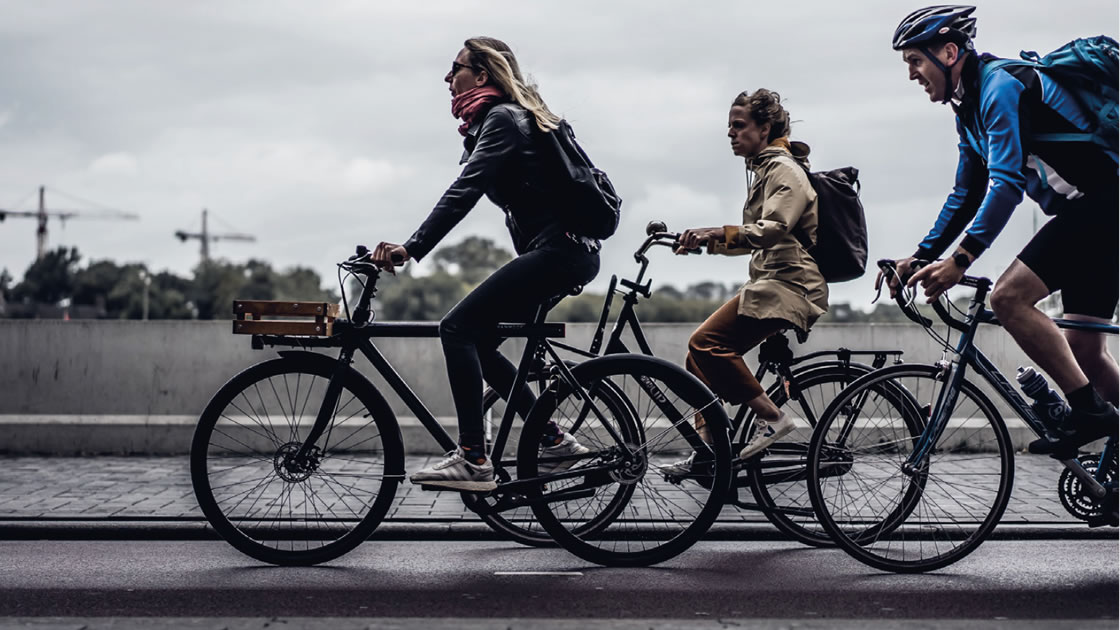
(467,105)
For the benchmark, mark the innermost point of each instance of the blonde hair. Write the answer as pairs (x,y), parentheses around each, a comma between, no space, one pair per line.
(496,58)
(765,106)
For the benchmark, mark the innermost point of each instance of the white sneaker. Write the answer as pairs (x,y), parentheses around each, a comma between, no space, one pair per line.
(681,468)
(766,433)
(456,473)
(568,447)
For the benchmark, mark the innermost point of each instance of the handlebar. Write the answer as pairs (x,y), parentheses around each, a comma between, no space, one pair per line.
(360,262)
(671,240)
(981,284)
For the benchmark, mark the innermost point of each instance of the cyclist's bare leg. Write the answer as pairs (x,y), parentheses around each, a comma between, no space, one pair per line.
(1091,351)
(1013,300)
(764,408)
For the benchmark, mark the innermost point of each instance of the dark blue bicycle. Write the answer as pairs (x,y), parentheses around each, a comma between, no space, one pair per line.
(929,461)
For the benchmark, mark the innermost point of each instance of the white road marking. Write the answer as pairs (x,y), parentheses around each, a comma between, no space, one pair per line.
(560,573)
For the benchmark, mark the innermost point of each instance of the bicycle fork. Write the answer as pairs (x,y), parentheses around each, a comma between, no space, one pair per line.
(308,455)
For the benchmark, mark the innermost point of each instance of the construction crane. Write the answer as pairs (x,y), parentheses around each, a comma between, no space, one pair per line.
(206,237)
(42,214)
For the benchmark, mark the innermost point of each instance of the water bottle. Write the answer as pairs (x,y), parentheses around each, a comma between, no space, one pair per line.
(1048,404)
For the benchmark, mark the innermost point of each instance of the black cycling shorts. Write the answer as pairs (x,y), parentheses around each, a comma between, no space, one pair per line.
(1076,253)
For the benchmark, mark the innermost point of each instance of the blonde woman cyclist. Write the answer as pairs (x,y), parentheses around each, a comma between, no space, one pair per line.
(503,118)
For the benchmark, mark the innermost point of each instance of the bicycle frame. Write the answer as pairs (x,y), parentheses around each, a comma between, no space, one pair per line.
(356,334)
(775,356)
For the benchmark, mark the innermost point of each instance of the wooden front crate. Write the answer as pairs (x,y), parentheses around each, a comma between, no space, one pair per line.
(314,319)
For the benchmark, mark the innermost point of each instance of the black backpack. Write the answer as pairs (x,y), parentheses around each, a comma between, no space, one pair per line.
(841,249)
(587,196)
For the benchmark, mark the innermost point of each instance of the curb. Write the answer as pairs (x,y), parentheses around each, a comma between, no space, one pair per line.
(433,530)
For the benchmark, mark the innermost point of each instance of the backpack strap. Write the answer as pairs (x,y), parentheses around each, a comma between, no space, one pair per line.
(796,230)
(1030,60)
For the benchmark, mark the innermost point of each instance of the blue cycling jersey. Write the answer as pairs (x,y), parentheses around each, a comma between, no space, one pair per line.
(998,164)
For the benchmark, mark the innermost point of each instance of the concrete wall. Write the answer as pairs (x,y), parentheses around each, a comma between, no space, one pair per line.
(74,384)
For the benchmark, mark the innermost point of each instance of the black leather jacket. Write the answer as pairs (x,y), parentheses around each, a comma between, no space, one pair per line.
(503,160)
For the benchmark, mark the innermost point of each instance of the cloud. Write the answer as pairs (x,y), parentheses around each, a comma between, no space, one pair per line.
(363,175)
(115,164)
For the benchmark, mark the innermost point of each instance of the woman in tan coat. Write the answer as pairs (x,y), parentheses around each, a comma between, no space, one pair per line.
(786,289)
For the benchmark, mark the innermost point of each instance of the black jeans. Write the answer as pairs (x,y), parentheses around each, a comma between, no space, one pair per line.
(511,294)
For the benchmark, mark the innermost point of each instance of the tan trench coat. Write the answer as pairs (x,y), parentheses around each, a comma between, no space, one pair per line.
(785,282)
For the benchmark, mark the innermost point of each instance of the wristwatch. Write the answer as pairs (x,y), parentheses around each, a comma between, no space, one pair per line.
(961,260)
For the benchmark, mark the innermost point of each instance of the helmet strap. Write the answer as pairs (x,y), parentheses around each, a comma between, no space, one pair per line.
(947,70)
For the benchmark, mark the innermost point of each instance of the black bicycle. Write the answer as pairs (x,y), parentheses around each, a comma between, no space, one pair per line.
(802,386)
(295,460)
(931,461)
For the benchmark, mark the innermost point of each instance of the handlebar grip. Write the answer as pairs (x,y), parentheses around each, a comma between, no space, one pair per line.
(397,260)
(692,250)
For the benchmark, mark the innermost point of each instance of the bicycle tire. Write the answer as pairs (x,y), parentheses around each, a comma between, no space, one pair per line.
(950,503)
(520,524)
(247,436)
(779,480)
(660,519)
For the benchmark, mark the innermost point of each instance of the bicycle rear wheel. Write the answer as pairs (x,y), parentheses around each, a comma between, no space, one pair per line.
(519,524)
(253,490)
(925,518)
(779,480)
(656,519)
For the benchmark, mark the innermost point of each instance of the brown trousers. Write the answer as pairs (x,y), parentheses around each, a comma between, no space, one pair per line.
(716,349)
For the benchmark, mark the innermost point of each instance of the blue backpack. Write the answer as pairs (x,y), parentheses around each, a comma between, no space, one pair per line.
(1087,69)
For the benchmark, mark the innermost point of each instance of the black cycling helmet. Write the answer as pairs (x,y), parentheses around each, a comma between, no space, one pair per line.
(936,25)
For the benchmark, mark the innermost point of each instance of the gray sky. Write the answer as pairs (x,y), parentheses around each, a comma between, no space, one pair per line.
(315,126)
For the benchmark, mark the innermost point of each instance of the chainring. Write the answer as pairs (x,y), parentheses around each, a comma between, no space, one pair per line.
(1074,495)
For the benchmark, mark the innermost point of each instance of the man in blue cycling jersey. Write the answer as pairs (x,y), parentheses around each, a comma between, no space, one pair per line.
(1075,252)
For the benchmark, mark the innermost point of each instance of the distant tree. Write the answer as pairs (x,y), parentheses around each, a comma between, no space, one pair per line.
(302,283)
(50,279)
(670,292)
(168,298)
(5,291)
(472,259)
(216,284)
(410,298)
(664,307)
(705,291)
(93,284)
(5,284)
(584,307)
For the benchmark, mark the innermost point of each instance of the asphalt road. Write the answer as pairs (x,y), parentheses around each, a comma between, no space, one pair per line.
(1003,579)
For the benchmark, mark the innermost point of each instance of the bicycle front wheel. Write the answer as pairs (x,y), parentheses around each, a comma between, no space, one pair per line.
(265,500)
(902,516)
(640,517)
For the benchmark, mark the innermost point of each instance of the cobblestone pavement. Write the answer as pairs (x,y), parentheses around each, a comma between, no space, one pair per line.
(160,488)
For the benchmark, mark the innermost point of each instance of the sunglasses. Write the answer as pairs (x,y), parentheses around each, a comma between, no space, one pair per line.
(455,66)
